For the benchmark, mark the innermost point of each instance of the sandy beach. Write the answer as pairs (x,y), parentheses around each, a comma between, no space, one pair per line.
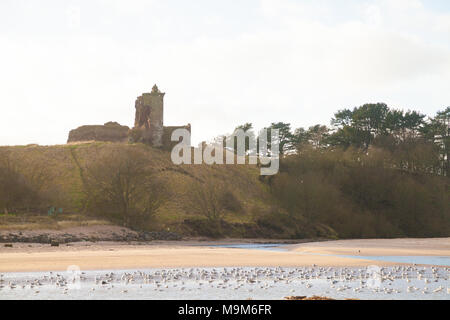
(380,247)
(96,256)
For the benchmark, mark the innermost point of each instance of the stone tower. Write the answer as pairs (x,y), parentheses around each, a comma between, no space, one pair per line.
(149,117)
(148,125)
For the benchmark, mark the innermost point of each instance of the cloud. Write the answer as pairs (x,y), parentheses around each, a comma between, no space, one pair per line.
(295,61)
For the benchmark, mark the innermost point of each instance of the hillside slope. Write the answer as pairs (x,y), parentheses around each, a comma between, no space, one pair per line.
(249,208)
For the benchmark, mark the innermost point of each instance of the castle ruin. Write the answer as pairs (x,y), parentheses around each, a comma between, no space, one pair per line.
(148,125)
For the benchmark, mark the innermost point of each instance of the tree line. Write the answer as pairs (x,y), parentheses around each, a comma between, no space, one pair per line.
(406,134)
(374,172)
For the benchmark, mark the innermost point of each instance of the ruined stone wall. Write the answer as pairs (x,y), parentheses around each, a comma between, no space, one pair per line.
(166,139)
(111,131)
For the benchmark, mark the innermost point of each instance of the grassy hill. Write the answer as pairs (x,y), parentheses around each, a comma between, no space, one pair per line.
(58,172)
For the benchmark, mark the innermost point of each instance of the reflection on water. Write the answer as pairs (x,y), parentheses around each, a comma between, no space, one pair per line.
(403,282)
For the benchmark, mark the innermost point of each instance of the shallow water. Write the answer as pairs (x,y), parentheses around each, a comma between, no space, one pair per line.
(431,260)
(423,260)
(231,283)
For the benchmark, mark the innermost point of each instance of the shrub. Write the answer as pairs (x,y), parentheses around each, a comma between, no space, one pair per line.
(230,202)
(16,190)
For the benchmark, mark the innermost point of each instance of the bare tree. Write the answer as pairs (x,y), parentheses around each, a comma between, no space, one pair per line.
(16,190)
(207,198)
(121,185)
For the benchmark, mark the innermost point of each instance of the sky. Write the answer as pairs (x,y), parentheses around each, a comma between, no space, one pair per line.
(64,64)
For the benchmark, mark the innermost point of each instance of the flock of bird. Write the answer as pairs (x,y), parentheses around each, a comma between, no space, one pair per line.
(348,281)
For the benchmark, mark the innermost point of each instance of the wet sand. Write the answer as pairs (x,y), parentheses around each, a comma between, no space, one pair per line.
(379,247)
(103,256)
